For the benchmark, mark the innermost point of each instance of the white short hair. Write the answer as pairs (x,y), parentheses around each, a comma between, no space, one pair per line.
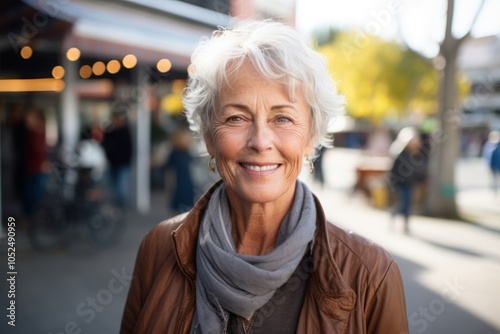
(278,53)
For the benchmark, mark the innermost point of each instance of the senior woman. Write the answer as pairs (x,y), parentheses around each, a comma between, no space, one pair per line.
(256,254)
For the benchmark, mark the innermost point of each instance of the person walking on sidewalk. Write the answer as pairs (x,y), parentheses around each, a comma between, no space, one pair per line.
(495,167)
(256,254)
(491,154)
(408,169)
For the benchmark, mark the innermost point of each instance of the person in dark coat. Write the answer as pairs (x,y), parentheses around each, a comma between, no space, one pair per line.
(408,169)
(117,143)
(179,161)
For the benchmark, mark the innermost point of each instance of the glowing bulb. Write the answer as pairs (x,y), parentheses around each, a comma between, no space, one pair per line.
(164,65)
(85,71)
(26,52)
(98,68)
(58,72)
(73,54)
(129,61)
(113,66)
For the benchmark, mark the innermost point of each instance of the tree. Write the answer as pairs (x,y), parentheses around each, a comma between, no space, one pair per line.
(441,199)
(380,78)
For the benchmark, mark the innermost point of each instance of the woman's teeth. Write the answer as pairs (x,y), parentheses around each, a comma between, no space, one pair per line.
(260,168)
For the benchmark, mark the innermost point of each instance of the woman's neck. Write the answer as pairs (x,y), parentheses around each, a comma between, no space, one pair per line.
(255,226)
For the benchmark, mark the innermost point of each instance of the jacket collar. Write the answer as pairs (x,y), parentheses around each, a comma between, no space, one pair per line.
(336,298)
(185,237)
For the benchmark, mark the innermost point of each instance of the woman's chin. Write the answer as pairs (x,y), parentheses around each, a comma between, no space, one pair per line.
(260,193)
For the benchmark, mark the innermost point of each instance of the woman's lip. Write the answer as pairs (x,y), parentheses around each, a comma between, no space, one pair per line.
(259,167)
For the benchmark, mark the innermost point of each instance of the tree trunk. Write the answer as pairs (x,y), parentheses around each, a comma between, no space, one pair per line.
(444,155)
(446,142)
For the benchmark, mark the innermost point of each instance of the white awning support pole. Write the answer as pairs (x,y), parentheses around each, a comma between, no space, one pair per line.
(70,116)
(142,152)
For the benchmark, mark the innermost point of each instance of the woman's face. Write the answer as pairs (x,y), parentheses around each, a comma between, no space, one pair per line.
(259,137)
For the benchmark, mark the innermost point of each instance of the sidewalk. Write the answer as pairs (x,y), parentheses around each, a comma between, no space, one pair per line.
(480,206)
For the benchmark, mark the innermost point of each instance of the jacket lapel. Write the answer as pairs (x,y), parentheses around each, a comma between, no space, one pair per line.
(329,300)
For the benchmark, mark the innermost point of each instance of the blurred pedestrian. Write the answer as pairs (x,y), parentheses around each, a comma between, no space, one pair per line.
(117,143)
(91,158)
(179,161)
(36,163)
(407,171)
(491,154)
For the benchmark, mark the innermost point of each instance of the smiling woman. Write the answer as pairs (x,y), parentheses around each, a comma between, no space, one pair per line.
(256,254)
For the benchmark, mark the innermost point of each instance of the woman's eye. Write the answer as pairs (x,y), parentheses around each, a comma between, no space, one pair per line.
(234,119)
(283,119)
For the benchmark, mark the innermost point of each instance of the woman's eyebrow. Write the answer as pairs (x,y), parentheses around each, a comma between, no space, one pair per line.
(284,106)
(246,108)
(236,105)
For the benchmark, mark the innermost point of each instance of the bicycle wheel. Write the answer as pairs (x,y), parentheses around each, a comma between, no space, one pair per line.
(105,223)
(49,226)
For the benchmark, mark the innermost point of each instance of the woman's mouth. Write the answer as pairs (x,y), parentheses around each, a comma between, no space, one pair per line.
(256,168)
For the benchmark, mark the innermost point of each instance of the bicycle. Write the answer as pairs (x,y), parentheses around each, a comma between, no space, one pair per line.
(74,205)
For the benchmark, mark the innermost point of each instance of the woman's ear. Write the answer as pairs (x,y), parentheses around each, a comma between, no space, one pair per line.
(209,144)
(309,149)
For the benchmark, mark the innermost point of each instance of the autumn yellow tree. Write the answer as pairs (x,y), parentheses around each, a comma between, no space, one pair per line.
(381,78)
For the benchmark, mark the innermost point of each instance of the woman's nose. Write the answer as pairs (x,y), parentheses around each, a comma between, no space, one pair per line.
(260,138)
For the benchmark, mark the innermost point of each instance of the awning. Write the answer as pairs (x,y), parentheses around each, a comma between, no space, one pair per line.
(149,29)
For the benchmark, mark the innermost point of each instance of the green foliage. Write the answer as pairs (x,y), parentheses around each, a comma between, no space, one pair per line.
(381,78)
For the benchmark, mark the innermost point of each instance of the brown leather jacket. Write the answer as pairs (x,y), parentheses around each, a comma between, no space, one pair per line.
(354,287)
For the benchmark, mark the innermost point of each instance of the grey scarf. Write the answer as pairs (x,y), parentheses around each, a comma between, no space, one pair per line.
(230,282)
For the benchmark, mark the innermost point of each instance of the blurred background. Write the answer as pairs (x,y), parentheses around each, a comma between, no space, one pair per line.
(95,149)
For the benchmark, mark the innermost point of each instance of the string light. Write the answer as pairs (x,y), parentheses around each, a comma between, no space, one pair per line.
(129,61)
(73,54)
(98,68)
(113,66)
(164,65)
(58,72)
(85,71)
(26,52)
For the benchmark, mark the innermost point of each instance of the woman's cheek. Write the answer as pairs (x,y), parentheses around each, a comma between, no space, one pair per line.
(296,137)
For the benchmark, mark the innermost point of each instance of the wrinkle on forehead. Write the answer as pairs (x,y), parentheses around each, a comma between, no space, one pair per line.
(292,86)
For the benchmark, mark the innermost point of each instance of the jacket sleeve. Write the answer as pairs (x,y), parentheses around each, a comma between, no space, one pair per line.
(387,310)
